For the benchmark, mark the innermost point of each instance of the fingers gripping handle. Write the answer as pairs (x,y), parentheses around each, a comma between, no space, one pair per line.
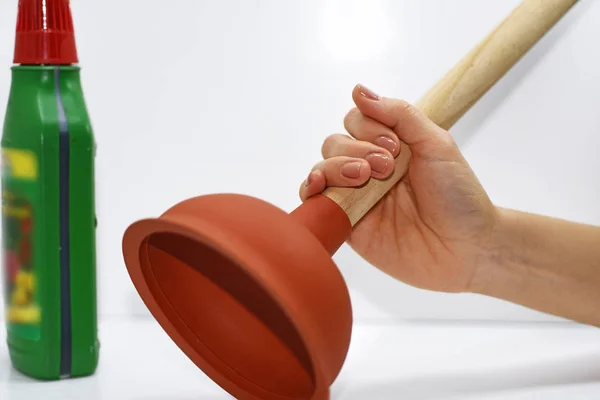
(462,87)
(356,202)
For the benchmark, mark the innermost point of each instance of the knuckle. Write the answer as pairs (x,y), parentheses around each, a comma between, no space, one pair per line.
(405,109)
(351,117)
(331,145)
(319,166)
(326,147)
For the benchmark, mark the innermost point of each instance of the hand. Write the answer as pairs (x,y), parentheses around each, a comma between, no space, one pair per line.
(430,230)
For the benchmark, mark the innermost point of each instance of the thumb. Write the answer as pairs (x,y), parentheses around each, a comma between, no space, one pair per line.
(407,121)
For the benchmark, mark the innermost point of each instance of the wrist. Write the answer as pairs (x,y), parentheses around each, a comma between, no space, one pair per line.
(501,262)
(546,264)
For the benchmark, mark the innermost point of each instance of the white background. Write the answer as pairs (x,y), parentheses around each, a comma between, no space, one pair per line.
(191,97)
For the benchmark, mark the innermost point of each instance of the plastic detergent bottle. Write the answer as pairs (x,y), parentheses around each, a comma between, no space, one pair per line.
(48,208)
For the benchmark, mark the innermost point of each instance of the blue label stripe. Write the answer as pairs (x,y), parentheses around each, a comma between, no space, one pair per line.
(65,276)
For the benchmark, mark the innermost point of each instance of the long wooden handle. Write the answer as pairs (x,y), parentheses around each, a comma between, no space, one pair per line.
(462,87)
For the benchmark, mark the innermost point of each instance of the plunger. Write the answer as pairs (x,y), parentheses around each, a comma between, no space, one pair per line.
(249,293)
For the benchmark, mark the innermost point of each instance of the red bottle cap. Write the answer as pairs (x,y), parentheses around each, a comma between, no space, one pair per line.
(45,33)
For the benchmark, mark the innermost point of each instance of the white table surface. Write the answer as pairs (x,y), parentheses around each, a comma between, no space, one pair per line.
(404,361)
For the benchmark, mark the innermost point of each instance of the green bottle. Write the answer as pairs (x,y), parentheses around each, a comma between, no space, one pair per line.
(48,208)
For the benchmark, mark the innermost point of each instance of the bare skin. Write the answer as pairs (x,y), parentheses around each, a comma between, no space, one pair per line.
(438,229)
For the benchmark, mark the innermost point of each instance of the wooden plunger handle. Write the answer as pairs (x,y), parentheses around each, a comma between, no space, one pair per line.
(462,87)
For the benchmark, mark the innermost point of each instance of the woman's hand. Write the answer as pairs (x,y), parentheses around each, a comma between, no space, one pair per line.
(431,229)
(438,230)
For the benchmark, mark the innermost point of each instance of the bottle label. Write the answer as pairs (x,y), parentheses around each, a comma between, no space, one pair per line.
(20,198)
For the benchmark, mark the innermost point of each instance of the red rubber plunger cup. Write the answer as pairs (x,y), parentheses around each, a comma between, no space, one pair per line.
(250,293)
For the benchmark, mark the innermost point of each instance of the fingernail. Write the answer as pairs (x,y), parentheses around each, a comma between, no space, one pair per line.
(351,170)
(368,93)
(387,144)
(307,181)
(378,162)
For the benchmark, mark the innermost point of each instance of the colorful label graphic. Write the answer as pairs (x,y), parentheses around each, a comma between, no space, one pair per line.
(19,199)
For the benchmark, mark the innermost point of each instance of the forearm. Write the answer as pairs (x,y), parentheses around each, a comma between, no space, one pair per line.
(543,263)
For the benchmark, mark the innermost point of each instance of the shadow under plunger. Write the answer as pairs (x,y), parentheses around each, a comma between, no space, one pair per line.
(250,293)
